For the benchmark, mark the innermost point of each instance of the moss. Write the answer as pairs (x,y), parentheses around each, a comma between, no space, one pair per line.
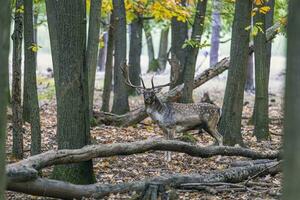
(93,122)
(75,173)
(154,66)
(187,137)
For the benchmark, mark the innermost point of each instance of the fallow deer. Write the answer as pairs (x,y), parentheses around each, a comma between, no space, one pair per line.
(177,117)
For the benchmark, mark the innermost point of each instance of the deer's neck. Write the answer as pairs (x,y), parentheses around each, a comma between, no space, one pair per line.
(156,107)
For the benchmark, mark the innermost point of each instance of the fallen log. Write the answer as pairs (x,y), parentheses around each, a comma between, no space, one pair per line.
(135,116)
(17,171)
(64,190)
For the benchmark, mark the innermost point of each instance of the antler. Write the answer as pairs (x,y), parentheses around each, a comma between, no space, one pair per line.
(127,81)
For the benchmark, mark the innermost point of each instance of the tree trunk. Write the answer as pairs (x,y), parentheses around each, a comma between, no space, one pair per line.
(163,49)
(249,87)
(261,119)
(135,50)
(67,19)
(120,103)
(152,62)
(103,53)
(30,83)
(215,32)
(4,86)
(230,124)
(92,47)
(192,53)
(16,83)
(291,173)
(179,32)
(108,66)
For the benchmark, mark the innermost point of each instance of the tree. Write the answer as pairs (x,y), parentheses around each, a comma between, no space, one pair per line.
(108,66)
(30,85)
(192,53)
(291,140)
(262,65)
(120,102)
(179,34)
(163,48)
(230,124)
(152,62)
(67,27)
(215,32)
(92,47)
(135,50)
(17,38)
(4,53)
(249,86)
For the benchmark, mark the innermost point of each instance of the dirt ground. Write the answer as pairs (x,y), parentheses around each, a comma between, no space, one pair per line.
(121,169)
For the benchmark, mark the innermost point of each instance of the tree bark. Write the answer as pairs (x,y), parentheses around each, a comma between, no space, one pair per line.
(135,50)
(152,62)
(67,19)
(179,34)
(261,119)
(59,189)
(249,86)
(192,53)
(120,102)
(92,47)
(230,123)
(30,84)
(16,83)
(215,32)
(108,67)
(163,49)
(4,85)
(103,53)
(291,140)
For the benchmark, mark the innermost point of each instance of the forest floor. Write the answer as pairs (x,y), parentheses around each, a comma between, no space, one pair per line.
(121,169)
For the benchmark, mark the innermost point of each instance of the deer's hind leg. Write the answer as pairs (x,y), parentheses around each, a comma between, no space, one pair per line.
(215,134)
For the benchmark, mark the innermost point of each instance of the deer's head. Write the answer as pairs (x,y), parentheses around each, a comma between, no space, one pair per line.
(148,93)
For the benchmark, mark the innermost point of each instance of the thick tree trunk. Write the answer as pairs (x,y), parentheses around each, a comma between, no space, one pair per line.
(179,32)
(92,47)
(163,49)
(30,84)
(215,32)
(261,119)
(230,124)
(135,50)
(152,62)
(249,86)
(16,83)
(192,53)
(4,85)
(103,53)
(291,183)
(67,19)
(108,67)
(120,103)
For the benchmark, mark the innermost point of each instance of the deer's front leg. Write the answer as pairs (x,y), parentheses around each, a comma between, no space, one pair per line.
(170,136)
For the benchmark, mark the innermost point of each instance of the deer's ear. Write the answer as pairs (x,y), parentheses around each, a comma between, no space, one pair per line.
(157,90)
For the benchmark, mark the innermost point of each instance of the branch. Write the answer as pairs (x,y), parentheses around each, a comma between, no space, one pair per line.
(55,157)
(60,189)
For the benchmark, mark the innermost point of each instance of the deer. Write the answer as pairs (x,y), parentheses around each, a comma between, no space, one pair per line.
(177,117)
